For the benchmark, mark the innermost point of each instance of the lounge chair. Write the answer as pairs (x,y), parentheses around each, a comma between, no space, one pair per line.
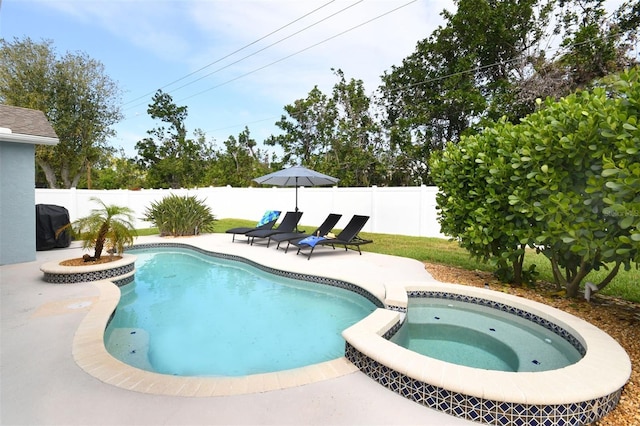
(347,237)
(268,221)
(288,224)
(322,230)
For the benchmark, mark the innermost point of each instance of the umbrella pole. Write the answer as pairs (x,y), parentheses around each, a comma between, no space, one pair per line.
(297,201)
(296,194)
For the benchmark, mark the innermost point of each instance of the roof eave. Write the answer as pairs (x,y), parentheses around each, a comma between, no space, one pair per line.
(32,139)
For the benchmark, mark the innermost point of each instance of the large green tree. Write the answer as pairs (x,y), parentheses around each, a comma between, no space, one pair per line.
(117,171)
(170,158)
(307,129)
(354,154)
(594,42)
(336,134)
(76,95)
(491,58)
(456,77)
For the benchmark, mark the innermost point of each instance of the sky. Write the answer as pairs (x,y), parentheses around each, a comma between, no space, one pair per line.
(233,63)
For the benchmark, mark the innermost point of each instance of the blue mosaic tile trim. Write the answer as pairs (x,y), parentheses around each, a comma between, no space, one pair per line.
(124,281)
(402,309)
(483,410)
(549,325)
(88,276)
(393,330)
(297,276)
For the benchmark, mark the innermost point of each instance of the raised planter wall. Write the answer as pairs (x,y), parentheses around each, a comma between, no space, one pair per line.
(120,272)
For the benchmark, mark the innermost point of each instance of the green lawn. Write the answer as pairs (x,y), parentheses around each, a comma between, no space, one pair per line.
(625,285)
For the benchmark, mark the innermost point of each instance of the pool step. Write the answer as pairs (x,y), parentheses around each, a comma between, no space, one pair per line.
(130,345)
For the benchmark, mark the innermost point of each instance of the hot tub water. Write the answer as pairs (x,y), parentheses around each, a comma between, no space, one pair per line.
(477,336)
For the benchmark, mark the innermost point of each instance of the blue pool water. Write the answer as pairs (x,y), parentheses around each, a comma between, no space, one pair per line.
(482,337)
(190,314)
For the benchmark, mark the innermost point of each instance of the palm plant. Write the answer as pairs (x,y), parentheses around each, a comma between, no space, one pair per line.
(111,225)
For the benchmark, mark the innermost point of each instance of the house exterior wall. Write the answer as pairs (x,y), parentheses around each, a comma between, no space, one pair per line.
(17,207)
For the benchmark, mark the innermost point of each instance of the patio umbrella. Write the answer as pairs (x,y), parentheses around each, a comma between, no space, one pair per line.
(296,176)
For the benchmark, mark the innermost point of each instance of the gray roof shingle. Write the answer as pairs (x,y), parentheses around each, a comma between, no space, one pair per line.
(26,121)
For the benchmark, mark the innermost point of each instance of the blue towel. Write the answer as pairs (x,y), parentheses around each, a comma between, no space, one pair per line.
(269,215)
(311,241)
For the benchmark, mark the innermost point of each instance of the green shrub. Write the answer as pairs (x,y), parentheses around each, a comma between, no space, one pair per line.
(177,216)
(564,181)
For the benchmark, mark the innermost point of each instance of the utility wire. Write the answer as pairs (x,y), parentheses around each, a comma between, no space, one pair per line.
(293,54)
(426,81)
(233,126)
(298,52)
(268,46)
(287,57)
(230,54)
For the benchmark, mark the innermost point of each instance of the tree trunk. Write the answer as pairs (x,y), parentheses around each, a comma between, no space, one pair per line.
(88,175)
(517,270)
(76,179)
(573,285)
(557,274)
(102,235)
(609,276)
(64,174)
(49,174)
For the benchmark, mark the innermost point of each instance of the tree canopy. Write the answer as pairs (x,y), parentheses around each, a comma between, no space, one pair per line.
(170,158)
(76,95)
(489,59)
(336,134)
(239,162)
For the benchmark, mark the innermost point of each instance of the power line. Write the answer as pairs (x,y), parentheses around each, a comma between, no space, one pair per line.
(495,64)
(268,46)
(233,126)
(289,56)
(295,53)
(475,69)
(298,52)
(230,54)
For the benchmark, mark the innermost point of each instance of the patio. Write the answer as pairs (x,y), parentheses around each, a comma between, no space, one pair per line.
(42,384)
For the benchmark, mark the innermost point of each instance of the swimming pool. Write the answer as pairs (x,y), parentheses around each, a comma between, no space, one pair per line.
(579,393)
(479,336)
(188,314)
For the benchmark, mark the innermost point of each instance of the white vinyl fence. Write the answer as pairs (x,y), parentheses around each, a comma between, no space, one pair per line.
(392,210)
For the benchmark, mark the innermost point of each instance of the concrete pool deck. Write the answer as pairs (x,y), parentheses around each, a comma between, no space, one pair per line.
(41,383)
